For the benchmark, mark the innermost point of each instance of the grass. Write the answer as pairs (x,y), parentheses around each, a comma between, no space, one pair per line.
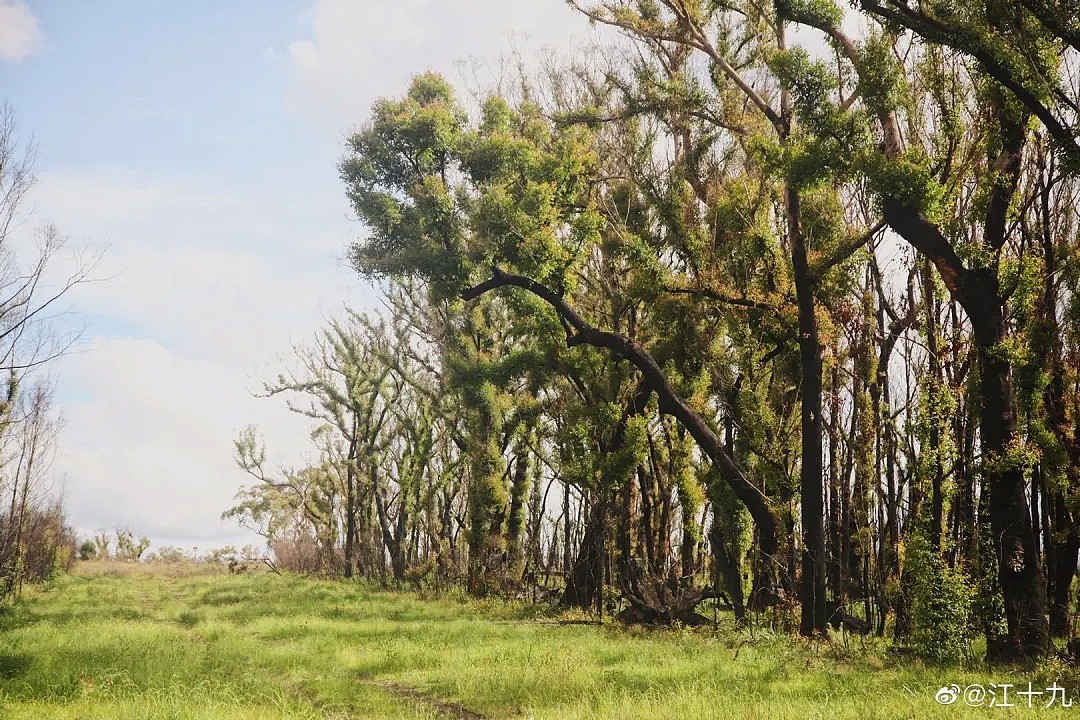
(123,643)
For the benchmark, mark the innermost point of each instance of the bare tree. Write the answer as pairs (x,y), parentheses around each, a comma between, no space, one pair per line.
(35,277)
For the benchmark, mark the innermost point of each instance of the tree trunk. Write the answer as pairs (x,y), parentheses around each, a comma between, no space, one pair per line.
(812,590)
(977,291)
(934,391)
(391,540)
(519,490)
(1019,571)
(1063,568)
(350,513)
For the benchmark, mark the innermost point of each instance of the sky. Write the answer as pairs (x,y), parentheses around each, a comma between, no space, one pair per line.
(195,147)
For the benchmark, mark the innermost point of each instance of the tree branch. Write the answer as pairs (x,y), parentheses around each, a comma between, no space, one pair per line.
(671,403)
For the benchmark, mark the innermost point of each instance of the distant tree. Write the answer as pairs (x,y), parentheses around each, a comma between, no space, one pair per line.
(102,542)
(128,549)
(297,512)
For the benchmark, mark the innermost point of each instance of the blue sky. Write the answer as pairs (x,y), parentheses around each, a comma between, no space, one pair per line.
(195,144)
(184,88)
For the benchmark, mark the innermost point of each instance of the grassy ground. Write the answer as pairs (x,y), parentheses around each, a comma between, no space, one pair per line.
(150,644)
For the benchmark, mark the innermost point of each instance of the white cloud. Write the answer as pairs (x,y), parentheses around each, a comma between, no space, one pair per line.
(358,52)
(19,31)
(203,269)
(207,290)
(149,445)
(98,199)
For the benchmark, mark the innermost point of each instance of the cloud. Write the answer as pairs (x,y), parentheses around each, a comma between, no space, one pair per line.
(149,445)
(358,52)
(203,269)
(100,198)
(355,53)
(19,31)
(207,289)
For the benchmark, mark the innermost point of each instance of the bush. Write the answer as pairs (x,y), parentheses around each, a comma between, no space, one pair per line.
(88,550)
(34,547)
(238,561)
(169,555)
(941,605)
(302,553)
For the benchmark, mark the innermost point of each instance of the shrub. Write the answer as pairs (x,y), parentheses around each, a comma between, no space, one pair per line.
(88,550)
(941,605)
(302,553)
(34,547)
(170,555)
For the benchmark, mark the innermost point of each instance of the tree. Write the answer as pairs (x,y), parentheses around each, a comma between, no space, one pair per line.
(832,143)
(1021,46)
(414,148)
(297,513)
(908,197)
(128,549)
(645,295)
(34,539)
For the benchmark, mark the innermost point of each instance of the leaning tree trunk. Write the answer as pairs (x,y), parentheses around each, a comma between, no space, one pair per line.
(670,402)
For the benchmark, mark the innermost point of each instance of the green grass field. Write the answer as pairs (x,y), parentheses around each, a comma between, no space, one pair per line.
(147,643)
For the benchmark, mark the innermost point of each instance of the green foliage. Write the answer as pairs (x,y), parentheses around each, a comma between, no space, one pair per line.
(88,550)
(810,83)
(443,201)
(731,523)
(816,13)
(941,605)
(397,176)
(619,466)
(657,205)
(907,179)
(936,406)
(829,139)
(881,77)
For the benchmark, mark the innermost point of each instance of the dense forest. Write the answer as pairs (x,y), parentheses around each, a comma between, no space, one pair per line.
(744,308)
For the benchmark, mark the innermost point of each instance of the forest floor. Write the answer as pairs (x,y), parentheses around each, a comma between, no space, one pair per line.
(123,643)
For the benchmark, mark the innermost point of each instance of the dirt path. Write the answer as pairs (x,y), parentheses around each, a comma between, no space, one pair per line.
(446,707)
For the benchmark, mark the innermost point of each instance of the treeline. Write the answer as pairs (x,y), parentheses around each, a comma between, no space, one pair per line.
(710,315)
